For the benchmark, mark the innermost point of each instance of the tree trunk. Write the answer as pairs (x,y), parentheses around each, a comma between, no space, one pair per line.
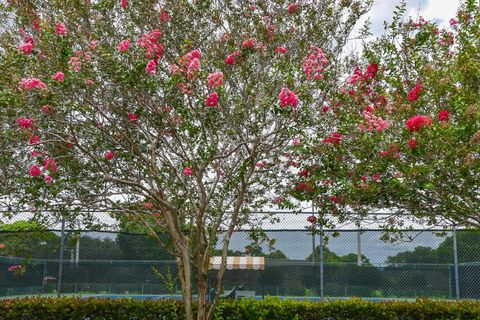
(185,276)
(202,294)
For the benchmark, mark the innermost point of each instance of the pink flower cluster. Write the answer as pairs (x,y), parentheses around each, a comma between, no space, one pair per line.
(369,73)
(230,60)
(25,123)
(26,47)
(109,155)
(75,64)
(123,45)
(416,123)
(443,116)
(314,64)
(187,171)
(293,7)
(191,64)
(375,123)
(151,43)
(334,138)
(124,4)
(60,29)
(215,79)
(312,219)
(50,165)
(212,100)
(14,268)
(133,116)
(27,84)
(287,98)
(59,76)
(35,171)
(415,92)
(151,67)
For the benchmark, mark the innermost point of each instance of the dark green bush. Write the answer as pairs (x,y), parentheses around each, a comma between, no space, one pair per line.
(269,309)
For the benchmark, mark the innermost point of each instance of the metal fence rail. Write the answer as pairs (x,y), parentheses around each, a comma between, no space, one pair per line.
(347,263)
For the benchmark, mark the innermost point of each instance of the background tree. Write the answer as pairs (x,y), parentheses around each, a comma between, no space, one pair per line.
(178,114)
(407,120)
(28,239)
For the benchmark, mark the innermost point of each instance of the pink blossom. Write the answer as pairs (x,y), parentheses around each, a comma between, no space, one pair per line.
(151,67)
(60,29)
(30,84)
(325,108)
(35,171)
(277,200)
(312,219)
(293,7)
(372,70)
(281,50)
(48,179)
(453,22)
(212,100)
(89,82)
(123,45)
(314,64)
(443,116)
(230,60)
(124,4)
(26,47)
(151,43)
(374,122)
(13,268)
(260,164)
(334,138)
(50,164)
(287,97)
(133,117)
(109,155)
(93,44)
(187,171)
(173,68)
(59,76)
(164,16)
(376,177)
(35,153)
(249,43)
(25,123)
(74,64)
(414,93)
(363,178)
(215,79)
(412,143)
(193,68)
(416,123)
(303,173)
(46,109)
(148,205)
(34,139)
(296,141)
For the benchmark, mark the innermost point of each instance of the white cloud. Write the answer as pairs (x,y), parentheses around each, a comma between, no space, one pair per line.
(439,11)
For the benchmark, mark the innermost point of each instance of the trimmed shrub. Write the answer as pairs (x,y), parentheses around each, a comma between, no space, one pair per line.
(268,309)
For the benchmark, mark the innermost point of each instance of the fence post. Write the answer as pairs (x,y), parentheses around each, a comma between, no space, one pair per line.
(60,262)
(321,260)
(455,263)
(359,247)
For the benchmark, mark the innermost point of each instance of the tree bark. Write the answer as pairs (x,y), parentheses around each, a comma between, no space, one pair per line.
(185,276)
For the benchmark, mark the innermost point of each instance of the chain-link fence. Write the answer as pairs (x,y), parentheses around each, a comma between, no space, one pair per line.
(362,263)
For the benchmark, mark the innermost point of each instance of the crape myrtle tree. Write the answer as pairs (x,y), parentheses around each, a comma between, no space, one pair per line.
(408,127)
(178,114)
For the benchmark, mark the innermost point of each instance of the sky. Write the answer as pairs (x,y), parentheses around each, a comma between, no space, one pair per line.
(439,11)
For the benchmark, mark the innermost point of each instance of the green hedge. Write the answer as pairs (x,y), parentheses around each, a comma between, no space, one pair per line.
(82,309)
